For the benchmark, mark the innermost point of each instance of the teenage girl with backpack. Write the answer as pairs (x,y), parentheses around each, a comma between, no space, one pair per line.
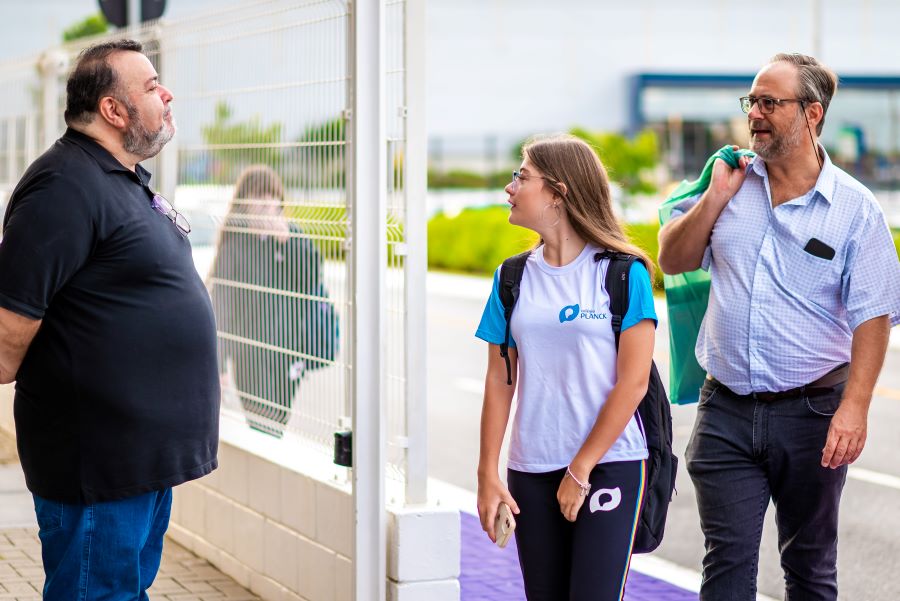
(576,469)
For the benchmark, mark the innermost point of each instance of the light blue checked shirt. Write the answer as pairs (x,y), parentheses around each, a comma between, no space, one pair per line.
(778,316)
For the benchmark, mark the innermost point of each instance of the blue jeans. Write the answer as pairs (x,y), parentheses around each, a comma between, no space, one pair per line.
(109,551)
(744,452)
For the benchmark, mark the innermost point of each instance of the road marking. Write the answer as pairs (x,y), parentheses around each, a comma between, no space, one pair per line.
(872,477)
(663,569)
(472,385)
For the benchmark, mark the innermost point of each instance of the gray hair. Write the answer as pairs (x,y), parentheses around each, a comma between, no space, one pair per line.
(817,82)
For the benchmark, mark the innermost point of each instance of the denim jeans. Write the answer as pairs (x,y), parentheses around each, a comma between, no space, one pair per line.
(109,551)
(744,452)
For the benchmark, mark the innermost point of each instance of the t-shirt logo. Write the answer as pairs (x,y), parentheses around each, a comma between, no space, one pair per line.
(569,313)
(572,312)
(615,497)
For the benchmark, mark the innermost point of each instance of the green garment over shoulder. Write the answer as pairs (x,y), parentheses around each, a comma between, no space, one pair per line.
(687,294)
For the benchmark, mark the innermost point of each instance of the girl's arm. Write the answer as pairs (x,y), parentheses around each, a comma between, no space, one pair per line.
(494,419)
(633,368)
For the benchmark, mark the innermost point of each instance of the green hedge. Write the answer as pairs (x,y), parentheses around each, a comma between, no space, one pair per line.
(645,235)
(477,240)
(458,178)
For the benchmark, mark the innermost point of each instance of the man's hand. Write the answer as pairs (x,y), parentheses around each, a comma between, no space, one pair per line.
(725,181)
(846,435)
(847,432)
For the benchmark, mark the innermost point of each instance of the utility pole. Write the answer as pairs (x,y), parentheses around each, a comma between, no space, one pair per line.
(131,13)
(134,13)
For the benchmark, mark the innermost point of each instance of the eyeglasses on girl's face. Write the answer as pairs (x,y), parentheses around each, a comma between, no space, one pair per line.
(518,178)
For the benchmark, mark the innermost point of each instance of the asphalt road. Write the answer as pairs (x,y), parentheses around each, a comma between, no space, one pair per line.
(870,513)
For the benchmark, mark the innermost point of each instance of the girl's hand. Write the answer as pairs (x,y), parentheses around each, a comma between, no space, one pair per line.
(570,496)
(491,493)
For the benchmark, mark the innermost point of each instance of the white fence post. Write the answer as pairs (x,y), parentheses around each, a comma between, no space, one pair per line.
(11,170)
(368,189)
(30,149)
(415,188)
(53,63)
(168,158)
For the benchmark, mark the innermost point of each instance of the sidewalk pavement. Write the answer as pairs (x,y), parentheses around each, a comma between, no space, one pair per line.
(488,573)
(182,576)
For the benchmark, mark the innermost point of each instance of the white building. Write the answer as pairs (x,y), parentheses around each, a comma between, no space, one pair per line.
(500,70)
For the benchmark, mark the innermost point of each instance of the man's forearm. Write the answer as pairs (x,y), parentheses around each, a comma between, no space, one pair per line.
(870,342)
(11,356)
(16,334)
(683,241)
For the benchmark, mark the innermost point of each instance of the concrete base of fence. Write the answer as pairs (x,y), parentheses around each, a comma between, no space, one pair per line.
(279,521)
(442,590)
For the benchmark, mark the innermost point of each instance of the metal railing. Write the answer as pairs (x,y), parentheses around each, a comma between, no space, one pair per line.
(265,90)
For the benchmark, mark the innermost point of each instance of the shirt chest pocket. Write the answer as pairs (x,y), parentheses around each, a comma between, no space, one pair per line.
(811,277)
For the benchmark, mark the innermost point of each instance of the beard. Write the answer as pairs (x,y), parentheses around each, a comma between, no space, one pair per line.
(142,142)
(779,144)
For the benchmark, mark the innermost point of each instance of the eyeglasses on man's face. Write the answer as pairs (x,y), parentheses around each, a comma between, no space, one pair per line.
(164,207)
(766,104)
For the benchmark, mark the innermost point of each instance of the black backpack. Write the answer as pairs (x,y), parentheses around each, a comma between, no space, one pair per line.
(655,417)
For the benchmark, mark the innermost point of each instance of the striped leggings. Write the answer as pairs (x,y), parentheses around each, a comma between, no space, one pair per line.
(585,560)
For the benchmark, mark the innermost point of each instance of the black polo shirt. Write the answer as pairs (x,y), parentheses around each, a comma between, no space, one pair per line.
(118,394)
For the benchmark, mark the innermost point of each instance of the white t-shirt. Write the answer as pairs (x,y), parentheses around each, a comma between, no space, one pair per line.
(567,357)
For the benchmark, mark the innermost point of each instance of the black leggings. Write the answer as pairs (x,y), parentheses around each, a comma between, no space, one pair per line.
(584,560)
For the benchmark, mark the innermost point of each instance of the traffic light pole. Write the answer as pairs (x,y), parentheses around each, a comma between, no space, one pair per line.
(134,13)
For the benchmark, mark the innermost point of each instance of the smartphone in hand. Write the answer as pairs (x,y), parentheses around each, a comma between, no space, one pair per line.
(504,525)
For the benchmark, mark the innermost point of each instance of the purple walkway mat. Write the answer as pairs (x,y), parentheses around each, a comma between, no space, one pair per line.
(492,574)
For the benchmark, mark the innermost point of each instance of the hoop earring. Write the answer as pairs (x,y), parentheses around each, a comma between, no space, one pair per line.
(558,214)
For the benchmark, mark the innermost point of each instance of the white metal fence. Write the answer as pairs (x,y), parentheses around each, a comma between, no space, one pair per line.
(268,86)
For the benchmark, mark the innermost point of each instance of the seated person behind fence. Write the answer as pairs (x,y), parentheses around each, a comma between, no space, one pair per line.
(274,319)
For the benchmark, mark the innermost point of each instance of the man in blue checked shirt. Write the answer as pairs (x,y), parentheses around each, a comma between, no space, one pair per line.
(805,288)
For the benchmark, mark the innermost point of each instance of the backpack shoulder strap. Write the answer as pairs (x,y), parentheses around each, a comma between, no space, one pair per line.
(617,281)
(510,277)
(617,274)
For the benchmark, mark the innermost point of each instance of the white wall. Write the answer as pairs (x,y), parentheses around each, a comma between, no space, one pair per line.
(282,526)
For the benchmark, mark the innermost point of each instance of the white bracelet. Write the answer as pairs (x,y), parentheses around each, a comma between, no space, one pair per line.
(585,488)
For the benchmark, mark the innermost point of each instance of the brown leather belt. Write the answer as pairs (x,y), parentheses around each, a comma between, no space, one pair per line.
(823,385)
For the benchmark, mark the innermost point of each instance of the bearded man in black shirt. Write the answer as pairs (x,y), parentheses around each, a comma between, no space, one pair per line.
(109,333)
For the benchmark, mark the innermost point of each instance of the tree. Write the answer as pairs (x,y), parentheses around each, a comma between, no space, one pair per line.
(89,26)
(320,159)
(236,144)
(629,162)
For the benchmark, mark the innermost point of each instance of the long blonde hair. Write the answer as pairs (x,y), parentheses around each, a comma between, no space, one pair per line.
(566,159)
